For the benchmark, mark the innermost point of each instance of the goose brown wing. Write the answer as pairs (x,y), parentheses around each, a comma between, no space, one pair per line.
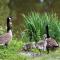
(4,38)
(51,42)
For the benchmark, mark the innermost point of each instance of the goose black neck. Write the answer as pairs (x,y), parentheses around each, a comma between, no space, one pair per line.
(8,25)
(47,32)
(8,29)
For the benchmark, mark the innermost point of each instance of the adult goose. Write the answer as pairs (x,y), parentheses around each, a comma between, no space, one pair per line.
(51,43)
(5,38)
(47,43)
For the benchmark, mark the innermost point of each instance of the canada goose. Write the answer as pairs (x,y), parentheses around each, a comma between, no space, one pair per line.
(5,38)
(51,43)
(41,45)
(28,46)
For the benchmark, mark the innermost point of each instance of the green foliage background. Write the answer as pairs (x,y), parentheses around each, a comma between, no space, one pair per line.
(35,24)
(4,11)
(7,7)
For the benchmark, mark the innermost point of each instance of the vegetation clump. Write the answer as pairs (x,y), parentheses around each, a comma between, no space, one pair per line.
(35,25)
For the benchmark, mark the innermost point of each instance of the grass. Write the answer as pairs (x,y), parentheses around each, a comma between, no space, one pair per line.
(35,24)
(13,50)
(51,56)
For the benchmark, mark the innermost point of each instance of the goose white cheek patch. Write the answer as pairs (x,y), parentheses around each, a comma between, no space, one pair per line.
(9,18)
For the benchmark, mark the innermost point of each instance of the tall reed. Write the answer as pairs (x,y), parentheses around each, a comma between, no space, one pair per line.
(35,24)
